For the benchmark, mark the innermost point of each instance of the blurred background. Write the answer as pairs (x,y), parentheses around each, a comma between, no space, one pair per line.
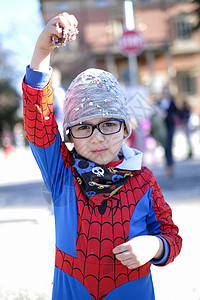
(162,50)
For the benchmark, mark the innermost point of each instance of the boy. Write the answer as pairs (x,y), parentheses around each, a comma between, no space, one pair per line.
(110,216)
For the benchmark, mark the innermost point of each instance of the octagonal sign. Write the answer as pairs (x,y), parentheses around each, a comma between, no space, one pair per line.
(131,42)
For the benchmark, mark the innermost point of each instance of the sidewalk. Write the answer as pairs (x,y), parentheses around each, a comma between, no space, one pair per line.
(18,167)
(184,185)
(26,254)
(180,280)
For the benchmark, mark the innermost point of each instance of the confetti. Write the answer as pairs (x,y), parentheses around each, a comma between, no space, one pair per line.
(67,36)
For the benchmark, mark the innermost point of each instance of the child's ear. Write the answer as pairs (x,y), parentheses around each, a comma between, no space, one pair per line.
(70,138)
(125,132)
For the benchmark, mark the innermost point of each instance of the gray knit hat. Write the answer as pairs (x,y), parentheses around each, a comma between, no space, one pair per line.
(94,93)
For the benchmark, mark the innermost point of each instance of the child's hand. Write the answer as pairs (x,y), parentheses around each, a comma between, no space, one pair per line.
(63,24)
(58,31)
(139,251)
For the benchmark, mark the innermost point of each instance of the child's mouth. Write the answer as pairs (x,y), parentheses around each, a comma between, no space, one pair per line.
(99,151)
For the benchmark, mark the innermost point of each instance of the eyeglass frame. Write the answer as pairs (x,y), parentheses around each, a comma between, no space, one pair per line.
(95,126)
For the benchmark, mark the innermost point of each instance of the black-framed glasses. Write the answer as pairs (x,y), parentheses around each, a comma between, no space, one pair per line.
(108,127)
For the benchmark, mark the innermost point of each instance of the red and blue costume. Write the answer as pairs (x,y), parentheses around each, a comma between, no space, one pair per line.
(85,267)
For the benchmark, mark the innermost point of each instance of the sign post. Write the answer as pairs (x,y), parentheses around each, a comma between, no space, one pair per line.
(131,42)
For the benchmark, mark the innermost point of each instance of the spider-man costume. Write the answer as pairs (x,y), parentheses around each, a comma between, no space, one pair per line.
(85,267)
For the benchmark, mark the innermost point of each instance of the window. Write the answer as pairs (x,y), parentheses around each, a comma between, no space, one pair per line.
(183,27)
(187,83)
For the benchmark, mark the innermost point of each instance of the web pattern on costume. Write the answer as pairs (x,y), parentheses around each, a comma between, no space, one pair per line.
(167,226)
(39,121)
(98,234)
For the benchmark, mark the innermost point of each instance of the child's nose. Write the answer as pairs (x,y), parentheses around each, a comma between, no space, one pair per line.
(97,136)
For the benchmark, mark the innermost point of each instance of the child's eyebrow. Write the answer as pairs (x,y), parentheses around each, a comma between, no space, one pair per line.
(89,121)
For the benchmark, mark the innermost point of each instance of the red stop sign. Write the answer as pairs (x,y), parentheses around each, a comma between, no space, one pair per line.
(131,42)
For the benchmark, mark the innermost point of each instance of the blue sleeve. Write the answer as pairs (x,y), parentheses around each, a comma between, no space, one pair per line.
(163,260)
(37,79)
(60,183)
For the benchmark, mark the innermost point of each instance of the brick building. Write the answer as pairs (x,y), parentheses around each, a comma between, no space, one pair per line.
(171,52)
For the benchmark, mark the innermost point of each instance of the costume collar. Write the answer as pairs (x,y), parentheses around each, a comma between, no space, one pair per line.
(132,159)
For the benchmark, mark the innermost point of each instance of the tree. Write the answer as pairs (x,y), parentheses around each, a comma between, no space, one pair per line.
(9,103)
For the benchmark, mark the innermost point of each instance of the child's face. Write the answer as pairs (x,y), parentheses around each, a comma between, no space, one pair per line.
(100,148)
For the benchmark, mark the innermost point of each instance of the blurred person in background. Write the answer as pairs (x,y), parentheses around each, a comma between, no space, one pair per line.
(170,112)
(185,118)
(7,140)
(18,132)
(158,126)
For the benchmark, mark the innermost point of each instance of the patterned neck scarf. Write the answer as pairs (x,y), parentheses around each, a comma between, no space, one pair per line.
(98,182)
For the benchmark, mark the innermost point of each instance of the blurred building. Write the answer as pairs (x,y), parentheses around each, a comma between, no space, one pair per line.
(171,52)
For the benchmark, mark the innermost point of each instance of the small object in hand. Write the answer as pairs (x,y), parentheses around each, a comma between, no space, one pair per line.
(67,36)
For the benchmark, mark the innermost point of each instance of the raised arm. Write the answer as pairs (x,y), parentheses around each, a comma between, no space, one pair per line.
(39,120)
(40,124)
